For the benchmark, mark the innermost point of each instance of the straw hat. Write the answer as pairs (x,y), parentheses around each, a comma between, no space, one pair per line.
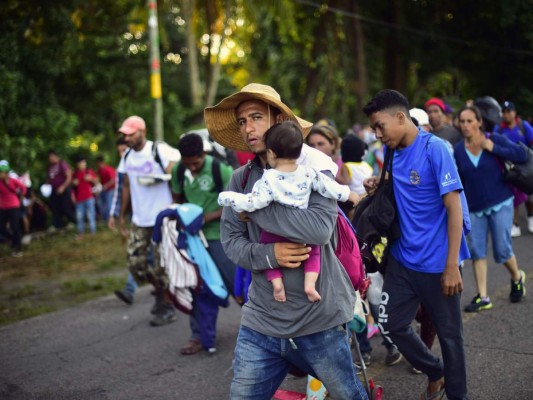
(221,120)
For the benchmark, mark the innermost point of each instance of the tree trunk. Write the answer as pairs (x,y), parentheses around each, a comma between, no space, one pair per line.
(215,69)
(194,69)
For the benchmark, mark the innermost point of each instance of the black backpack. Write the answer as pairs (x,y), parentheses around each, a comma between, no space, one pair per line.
(215,171)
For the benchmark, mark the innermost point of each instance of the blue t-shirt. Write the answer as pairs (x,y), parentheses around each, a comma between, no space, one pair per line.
(422,173)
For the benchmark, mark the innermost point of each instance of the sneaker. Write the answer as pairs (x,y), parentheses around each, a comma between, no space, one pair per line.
(416,371)
(372,330)
(477,304)
(366,358)
(124,296)
(164,316)
(16,254)
(393,356)
(516,231)
(518,290)
(530,224)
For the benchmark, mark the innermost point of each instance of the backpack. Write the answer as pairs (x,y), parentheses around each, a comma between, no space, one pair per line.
(347,249)
(215,171)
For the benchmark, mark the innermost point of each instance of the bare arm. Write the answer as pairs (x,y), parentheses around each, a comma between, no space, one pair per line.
(124,201)
(451,280)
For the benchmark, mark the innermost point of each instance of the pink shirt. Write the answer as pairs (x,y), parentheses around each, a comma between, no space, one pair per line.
(9,190)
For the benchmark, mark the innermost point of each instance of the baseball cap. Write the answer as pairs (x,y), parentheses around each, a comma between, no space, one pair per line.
(508,106)
(435,101)
(4,166)
(420,115)
(132,124)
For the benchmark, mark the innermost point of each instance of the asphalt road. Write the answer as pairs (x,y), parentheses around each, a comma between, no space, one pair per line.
(104,349)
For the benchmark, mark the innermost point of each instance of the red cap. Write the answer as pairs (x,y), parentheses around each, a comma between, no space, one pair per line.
(132,124)
(436,101)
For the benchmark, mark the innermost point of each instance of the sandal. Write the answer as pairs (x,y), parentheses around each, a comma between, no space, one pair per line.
(438,395)
(192,347)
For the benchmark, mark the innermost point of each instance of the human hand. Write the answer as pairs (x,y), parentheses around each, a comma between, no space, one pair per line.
(111,223)
(123,229)
(487,144)
(243,216)
(291,255)
(451,280)
(60,190)
(371,184)
(354,198)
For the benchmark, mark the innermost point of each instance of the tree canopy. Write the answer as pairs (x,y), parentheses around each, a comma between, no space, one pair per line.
(71,71)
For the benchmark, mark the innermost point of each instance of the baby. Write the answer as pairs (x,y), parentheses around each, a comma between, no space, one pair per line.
(289,184)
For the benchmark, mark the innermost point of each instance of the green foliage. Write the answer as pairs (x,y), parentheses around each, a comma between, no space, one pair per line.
(71,71)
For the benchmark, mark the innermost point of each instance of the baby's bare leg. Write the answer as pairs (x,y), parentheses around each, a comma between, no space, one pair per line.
(279,289)
(310,290)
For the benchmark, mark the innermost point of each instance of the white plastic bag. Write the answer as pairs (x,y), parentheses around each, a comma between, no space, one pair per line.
(373,293)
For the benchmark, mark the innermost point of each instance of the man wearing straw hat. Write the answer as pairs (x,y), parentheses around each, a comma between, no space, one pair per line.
(276,337)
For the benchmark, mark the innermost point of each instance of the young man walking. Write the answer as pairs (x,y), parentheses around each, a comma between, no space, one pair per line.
(194,180)
(148,197)
(424,263)
(275,337)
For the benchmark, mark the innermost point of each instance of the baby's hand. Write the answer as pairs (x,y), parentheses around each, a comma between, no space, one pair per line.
(243,216)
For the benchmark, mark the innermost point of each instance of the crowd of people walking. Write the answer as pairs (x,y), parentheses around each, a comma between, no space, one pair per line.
(273,214)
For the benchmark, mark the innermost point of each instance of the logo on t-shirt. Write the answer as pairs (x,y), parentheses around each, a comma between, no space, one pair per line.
(414,177)
(448,180)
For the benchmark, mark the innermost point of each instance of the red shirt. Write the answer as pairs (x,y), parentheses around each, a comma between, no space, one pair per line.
(9,191)
(106,174)
(83,190)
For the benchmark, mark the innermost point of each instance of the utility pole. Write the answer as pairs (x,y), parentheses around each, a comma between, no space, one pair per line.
(155,69)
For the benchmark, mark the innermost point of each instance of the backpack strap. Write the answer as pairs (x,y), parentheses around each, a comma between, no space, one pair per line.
(246,175)
(217,176)
(180,176)
(155,154)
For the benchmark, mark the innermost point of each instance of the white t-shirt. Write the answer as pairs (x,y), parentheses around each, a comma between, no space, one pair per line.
(359,171)
(148,200)
(289,188)
(313,158)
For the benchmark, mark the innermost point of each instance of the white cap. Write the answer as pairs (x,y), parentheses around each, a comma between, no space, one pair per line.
(420,115)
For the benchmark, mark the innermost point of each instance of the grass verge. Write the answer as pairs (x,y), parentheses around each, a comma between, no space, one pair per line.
(57,271)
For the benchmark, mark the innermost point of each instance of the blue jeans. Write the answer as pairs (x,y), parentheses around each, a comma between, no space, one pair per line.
(262,362)
(499,223)
(86,209)
(131,285)
(104,203)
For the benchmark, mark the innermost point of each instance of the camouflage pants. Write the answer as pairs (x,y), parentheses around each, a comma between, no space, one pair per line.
(138,246)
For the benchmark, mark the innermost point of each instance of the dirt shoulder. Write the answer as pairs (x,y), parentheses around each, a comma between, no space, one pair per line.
(57,271)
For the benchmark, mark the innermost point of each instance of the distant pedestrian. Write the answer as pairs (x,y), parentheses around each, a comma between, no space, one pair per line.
(83,181)
(60,178)
(354,169)
(436,109)
(517,130)
(11,193)
(107,176)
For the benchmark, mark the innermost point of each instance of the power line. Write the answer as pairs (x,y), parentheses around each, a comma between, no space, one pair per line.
(413,31)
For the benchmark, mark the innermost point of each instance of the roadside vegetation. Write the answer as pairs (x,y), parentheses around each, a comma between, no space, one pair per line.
(58,271)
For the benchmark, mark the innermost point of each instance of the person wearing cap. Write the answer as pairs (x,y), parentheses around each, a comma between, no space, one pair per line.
(276,337)
(517,130)
(60,178)
(11,192)
(148,197)
(436,109)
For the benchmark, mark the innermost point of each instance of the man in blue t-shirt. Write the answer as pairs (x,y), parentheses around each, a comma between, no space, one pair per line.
(424,264)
